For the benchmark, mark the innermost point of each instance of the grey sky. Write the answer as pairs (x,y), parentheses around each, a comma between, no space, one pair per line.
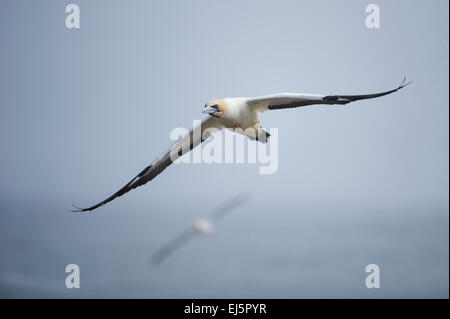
(83,111)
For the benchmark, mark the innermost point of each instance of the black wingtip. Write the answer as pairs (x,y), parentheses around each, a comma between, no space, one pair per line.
(78,209)
(404,84)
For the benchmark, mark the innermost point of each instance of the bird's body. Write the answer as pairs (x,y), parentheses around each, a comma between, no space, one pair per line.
(240,115)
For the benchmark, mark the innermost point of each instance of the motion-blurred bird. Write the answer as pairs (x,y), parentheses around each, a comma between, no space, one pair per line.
(202,226)
(235,113)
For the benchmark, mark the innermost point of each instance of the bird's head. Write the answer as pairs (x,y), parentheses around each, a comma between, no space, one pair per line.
(216,108)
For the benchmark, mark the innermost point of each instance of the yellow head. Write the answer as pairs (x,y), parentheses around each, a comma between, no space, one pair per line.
(216,108)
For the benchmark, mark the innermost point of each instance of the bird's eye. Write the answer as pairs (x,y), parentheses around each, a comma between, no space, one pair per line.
(216,106)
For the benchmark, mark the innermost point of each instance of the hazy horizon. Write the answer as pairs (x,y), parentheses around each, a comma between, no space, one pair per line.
(85,110)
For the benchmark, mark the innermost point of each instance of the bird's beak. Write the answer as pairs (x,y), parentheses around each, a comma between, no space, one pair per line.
(209,110)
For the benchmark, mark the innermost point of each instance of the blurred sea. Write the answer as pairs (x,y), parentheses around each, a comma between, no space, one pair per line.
(254,253)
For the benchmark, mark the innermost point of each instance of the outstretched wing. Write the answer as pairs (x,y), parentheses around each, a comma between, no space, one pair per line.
(229,206)
(291,100)
(195,137)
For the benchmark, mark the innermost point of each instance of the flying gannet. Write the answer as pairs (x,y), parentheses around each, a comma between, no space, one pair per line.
(201,226)
(234,113)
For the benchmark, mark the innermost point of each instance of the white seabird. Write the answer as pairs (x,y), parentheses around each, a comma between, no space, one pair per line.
(235,113)
(201,226)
